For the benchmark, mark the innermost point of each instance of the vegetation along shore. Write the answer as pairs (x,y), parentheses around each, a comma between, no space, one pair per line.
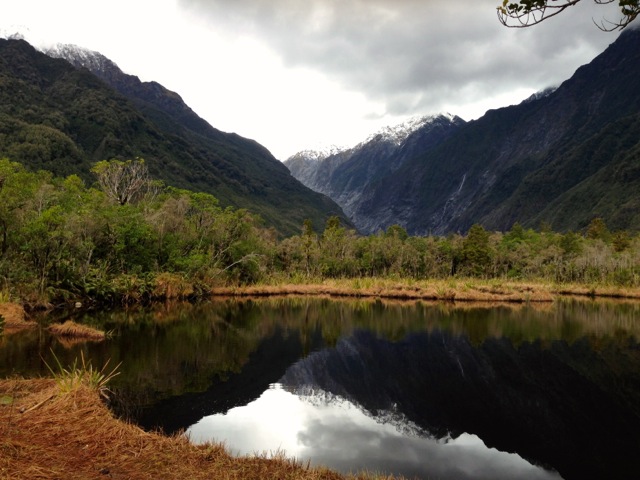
(128,238)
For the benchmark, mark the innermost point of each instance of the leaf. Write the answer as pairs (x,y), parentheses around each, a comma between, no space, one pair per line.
(6,400)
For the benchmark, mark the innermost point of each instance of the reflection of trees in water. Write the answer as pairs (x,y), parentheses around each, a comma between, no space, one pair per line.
(178,347)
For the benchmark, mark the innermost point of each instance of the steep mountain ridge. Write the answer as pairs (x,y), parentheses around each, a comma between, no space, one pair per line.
(563,156)
(346,174)
(62,118)
(514,163)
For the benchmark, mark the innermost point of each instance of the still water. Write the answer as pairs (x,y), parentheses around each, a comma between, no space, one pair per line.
(422,390)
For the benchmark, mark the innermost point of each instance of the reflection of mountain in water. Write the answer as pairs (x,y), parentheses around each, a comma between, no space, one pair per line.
(263,367)
(567,407)
(319,398)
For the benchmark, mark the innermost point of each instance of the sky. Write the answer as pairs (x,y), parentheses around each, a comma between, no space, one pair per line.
(304,74)
(331,431)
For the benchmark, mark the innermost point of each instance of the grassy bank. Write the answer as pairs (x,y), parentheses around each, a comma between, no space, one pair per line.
(459,290)
(49,432)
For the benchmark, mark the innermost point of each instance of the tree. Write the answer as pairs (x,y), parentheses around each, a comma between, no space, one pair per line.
(123,182)
(525,13)
(475,256)
(597,229)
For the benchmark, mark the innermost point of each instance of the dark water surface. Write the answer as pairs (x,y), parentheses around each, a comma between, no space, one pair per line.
(426,390)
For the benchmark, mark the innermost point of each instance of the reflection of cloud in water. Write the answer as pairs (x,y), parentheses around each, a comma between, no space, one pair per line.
(337,434)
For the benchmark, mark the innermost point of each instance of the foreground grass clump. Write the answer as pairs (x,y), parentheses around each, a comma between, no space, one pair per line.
(48,432)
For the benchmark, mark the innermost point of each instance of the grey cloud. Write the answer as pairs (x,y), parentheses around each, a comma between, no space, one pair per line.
(415,55)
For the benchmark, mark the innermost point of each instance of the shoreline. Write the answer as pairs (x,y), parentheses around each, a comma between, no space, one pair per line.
(49,432)
(463,290)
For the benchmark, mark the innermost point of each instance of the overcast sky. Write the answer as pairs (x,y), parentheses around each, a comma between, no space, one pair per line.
(296,74)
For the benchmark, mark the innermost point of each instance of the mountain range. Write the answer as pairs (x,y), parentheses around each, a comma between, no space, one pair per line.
(562,157)
(347,175)
(64,114)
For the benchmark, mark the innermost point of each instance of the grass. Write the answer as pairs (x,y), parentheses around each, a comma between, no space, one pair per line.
(76,330)
(459,290)
(447,290)
(69,378)
(48,432)
(14,317)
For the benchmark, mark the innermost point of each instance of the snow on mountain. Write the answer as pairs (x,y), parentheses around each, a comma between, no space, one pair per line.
(398,134)
(394,134)
(541,94)
(21,32)
(77,56)
(320,153)
(81,57)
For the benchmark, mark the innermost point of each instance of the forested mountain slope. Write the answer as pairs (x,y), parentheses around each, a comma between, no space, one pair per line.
(56,117)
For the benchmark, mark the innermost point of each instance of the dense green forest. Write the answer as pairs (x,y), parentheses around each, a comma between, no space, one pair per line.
(130,238)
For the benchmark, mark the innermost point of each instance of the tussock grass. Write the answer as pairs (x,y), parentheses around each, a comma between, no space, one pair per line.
(69,378)
(46,433)
(459,290)
(76,330)
(14,317)
(438,290)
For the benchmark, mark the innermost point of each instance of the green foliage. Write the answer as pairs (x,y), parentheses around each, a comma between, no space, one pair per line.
(597,229)
(476,254)
(69,378)
(62,240)
(61,119)
(398,232)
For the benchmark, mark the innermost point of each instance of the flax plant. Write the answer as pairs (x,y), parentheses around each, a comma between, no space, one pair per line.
(68,379)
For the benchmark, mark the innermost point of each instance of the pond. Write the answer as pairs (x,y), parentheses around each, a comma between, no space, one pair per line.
(424,390)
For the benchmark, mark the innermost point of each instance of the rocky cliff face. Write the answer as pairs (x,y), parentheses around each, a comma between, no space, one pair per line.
(562,157)
(344,175)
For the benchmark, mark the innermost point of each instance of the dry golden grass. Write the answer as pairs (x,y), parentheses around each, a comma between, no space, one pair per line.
(459,290)
(14,317)
(47,434)
(70,329)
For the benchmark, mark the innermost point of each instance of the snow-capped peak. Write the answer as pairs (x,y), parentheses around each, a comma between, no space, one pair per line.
(81,57)
(320,153)
(20,32)
(77,56)
(540,94)
(398,133)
